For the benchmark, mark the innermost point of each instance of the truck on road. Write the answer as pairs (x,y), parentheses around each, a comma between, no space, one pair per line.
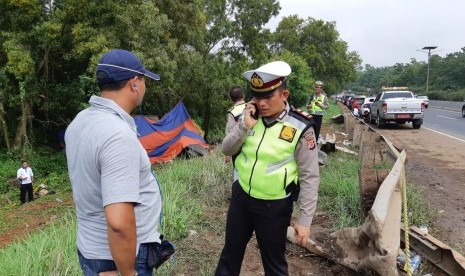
(397,105)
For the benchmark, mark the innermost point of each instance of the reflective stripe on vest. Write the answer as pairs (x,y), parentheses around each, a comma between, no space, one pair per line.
(237,110)
(266,164)
(316,110)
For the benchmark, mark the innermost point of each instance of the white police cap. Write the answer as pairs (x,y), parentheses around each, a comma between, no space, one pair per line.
(265,79)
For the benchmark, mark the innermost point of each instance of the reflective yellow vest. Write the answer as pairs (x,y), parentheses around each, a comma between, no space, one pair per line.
(266,165)
(237,110)
(316,110)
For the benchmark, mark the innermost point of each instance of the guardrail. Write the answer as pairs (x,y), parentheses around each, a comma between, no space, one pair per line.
(375,244)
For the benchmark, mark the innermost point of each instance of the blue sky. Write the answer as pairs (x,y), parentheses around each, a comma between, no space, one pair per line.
(390,31)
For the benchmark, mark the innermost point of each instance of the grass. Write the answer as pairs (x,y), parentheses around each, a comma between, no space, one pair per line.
(457,96)
(339,190)
(333,110)
(51,251)
(387,164)
(419,212)
(190,187)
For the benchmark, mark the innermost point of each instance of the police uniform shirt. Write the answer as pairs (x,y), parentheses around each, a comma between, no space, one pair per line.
(306,155)
(230,119)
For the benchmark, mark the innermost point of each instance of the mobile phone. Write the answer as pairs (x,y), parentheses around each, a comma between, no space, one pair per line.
(255,114)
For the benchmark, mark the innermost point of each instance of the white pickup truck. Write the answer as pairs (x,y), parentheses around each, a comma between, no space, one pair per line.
(397,106)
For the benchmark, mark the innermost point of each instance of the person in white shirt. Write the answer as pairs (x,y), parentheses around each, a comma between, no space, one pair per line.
(25,177)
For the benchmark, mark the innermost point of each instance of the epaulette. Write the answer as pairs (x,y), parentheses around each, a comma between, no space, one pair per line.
(301,113)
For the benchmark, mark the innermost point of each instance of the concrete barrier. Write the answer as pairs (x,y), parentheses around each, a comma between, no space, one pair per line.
(455,106)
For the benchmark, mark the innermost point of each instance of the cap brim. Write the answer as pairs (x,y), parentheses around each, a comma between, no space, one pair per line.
(151,75)
(259,95)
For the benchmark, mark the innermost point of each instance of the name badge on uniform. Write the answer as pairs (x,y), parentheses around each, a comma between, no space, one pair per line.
(287,133)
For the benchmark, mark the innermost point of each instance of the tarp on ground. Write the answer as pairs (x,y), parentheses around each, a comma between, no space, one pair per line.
(172,135)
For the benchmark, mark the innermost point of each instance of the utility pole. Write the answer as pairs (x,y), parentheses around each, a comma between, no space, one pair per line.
(429,48)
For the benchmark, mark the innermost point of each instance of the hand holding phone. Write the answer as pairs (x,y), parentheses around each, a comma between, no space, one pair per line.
(251,114)
(255,114)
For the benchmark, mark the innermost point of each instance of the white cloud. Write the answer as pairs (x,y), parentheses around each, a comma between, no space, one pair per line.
(390,31)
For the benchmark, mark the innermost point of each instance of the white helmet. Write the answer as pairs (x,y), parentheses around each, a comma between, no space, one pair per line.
(319,83)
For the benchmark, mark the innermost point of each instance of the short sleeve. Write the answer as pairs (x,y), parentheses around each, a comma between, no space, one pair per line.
(119,162)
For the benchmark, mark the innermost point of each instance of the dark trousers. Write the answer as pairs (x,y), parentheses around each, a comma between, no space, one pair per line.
(318,120)
(26,188)
(92,267)
(269,219)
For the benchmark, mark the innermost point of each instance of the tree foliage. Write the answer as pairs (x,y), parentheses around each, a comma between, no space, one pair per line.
(319,43)
(49,50)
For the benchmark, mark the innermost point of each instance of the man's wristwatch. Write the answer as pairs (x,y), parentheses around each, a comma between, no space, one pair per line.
(242,127)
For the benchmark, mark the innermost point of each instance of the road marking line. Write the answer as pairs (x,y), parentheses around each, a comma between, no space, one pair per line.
(450,136)
(446,117)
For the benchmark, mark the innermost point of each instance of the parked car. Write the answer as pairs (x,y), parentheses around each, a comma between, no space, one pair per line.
(351,100)
(366,112)
(365,106)
(345,98)
(424,98)
(397,106)
(357,103)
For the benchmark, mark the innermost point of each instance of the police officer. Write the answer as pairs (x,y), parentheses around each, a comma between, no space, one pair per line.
(275,156)
(317,104)
(236,93)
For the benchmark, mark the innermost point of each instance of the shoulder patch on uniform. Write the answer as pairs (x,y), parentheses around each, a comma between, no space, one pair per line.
(287,133)
(310,139)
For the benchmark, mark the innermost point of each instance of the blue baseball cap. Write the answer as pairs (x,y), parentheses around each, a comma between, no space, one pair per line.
(118,65)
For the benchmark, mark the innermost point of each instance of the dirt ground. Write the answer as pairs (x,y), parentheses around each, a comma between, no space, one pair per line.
(32,217)
(300,261)
(436,163)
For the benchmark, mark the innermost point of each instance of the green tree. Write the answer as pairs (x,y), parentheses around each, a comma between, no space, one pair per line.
(318,41)
(19,69)
(49,51)
(300,82)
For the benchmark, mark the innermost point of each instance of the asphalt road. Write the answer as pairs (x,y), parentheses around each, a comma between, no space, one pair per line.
(447,122)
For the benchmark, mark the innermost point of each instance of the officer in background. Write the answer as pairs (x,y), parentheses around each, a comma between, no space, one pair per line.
(276,154)
(316,105)
(236,93)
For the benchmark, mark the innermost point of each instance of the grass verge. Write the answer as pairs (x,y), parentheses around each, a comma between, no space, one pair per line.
(51,251)
(339,190)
